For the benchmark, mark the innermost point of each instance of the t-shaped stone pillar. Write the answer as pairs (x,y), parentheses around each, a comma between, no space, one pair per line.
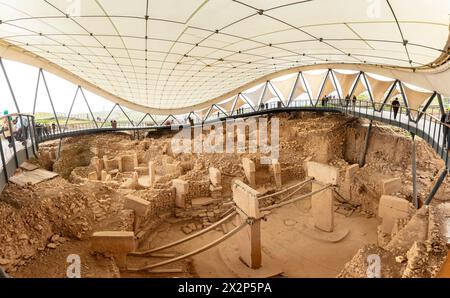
(250,171)
(119,244)
(140,207)
(181,191)
(276,167)
(151,172)
(246,199)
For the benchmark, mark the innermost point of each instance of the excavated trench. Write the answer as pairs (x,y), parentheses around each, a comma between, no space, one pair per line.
(43,224)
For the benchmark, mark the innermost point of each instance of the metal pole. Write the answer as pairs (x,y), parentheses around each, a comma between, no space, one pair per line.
(362,161)
(5,168)
(51,101)
(9,86)
(13,142)
(89,107)
(36,92)
(32,135)
(71,108)
(36,136)
(414,172)
(131,121)
(436,186)
(109,115)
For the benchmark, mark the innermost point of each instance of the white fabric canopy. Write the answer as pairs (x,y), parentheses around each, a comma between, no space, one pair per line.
(169,54)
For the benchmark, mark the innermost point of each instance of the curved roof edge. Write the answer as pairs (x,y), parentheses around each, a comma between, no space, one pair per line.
(433,79)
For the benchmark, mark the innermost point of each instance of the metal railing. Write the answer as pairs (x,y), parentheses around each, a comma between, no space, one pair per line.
(426,125)
(18,143)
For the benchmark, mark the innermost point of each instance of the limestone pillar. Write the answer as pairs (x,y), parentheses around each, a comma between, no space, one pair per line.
(249,238)
(181,191)
(250,171)
(322,207)
(103,175)
(276,167)
(119,244)
(151,172)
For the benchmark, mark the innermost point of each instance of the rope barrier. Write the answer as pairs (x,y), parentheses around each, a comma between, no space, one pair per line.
(287,189)
(147,252)
(192,253)
(296,199)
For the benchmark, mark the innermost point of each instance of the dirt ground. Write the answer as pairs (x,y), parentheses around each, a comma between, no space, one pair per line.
(40,226)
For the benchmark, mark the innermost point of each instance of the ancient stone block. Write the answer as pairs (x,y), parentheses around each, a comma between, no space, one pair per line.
(119,244)
(181,191)
(390,209)
(151,172)
(135,160)
(110,164)
(249,238)
(215,176)
(322,207)
(173,169)
(113,241)
(322,172)
(216,191)
(138,205)
(250,171)
(142,171)
(276,168)
(391,186)
(351,171)
(92,176)
(103,175)
(128,163)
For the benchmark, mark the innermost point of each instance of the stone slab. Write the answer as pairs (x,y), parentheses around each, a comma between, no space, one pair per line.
(391,186)
(322,207)
(138,205)
(113,242)
(322,172)
(390,209)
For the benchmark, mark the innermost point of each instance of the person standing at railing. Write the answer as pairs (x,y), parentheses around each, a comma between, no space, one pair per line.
(446,120)
(54,128)
(354,101)
(22,129)
(395,107)
(7,130)
(347,100)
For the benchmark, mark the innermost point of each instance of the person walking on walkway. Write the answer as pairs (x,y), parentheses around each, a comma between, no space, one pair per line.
(347,100)
(354,101)
(446,139)
(395,107)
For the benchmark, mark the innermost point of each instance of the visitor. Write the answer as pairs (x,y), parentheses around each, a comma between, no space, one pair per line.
(54,128)
(446,120)
(354,101)
(7,130)
(395,107)
(347,100)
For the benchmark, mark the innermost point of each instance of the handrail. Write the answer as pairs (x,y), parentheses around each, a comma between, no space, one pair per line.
(25,134)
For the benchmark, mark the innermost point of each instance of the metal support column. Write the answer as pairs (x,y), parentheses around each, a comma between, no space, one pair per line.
(436,186)
(5,168)
(414,172)
(362,161)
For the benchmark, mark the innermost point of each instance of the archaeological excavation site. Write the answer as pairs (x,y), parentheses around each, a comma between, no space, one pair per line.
(193,141)
(131,207)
